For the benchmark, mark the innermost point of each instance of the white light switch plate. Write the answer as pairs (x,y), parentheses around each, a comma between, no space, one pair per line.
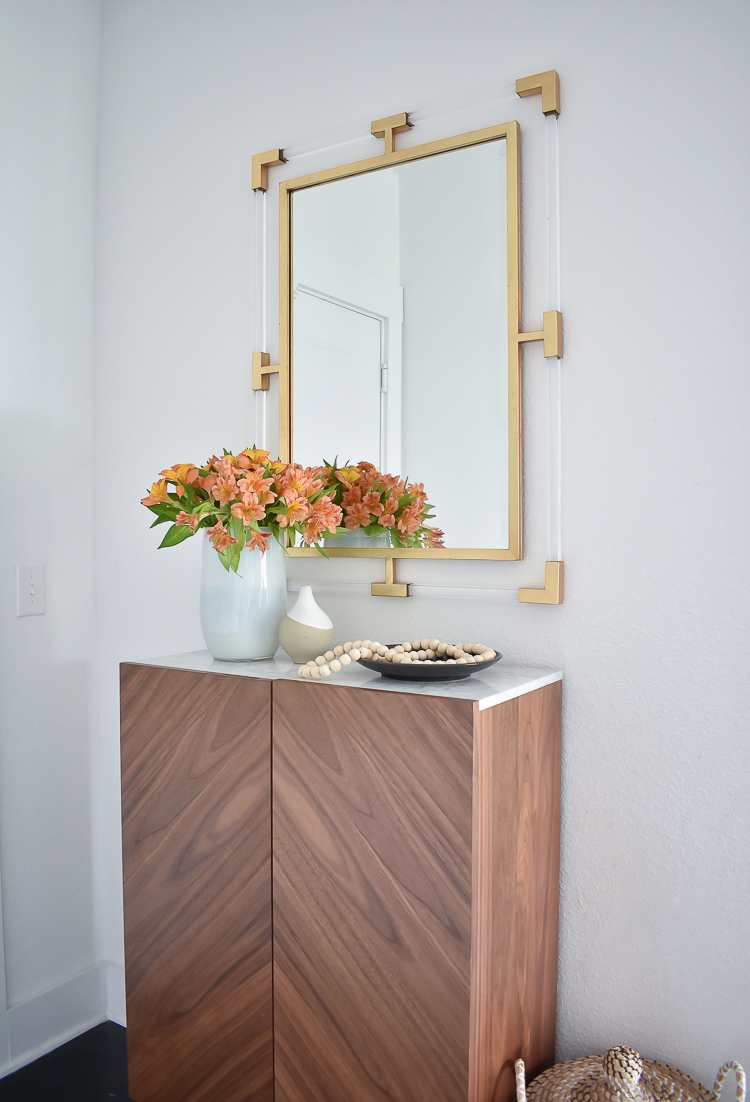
(30,589)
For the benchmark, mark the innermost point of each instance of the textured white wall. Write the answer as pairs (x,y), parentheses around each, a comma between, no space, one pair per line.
(49,57)
(652,636)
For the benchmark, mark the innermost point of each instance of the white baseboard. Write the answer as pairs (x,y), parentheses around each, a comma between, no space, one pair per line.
(49,1020)
(114,990)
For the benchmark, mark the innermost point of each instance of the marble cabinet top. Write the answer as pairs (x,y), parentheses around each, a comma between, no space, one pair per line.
(487,687)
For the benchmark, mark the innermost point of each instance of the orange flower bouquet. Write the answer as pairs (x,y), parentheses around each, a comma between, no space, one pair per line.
(239,499)
(382,503)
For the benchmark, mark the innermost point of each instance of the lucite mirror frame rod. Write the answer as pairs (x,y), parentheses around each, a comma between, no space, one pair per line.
(510,133)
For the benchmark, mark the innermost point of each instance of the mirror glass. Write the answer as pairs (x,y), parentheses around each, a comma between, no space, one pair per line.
(399,351)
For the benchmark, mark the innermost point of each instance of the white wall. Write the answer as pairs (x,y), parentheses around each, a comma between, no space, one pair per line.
(651,637)
(49,58)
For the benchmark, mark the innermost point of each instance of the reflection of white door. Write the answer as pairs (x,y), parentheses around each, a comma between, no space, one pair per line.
(336,382)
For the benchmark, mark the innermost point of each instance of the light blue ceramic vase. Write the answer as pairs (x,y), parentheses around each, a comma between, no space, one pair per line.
(241,613)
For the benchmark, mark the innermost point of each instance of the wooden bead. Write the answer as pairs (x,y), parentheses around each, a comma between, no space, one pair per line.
(421,655)
(367,644)
(382,651)
(375,645)
(365,653)
(356,644)
(450,661)
(315,672)
(434,644)
(406,648)
(399,649)
(416,644)
(338,651)
(450,650)
(320,660)
(329,656)
(442,648)
(304,671)
(345,660)
(335,666)
(325,671)
(424,644)
(347,647)
(461,661)
(354,654)
(489,653)
(430,654)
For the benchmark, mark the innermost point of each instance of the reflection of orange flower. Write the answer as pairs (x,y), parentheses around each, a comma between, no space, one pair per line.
(347,475)
(158,493)
(358,515)
(325,517)
(374,504)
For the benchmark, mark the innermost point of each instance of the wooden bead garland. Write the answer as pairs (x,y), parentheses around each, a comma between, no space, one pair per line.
(417,652)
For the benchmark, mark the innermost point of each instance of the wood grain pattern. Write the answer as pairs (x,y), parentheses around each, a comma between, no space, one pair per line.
(515,891)
(372,799)
(197,884)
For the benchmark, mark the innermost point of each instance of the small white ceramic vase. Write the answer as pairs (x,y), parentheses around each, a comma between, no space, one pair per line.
(306,631)
(241,613)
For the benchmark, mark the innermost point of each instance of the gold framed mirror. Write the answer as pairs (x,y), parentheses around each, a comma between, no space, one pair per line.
(400,333)
(371,255)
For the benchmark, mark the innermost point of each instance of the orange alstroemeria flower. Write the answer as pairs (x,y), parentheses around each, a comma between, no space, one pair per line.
(251,457)
(158,494)
(225,490)
(220,537)
(248,509)
(387,520)
(257,542)
(299,509)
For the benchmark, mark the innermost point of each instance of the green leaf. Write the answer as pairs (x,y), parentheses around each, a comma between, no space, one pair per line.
(235,559)
(176,534)
(160,520)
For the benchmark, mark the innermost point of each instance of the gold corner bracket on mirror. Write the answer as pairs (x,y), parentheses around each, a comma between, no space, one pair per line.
(545,84)
(390,587)
(552,594)
(261,164)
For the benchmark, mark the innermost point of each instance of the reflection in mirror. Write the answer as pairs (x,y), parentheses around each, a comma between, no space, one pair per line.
(400,331)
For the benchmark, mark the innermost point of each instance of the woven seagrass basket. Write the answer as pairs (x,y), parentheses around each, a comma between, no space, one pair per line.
(620,1076)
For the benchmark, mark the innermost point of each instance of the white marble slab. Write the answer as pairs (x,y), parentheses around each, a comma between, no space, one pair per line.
(487,687)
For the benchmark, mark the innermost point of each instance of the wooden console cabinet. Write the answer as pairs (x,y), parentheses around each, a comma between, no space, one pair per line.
(337,892)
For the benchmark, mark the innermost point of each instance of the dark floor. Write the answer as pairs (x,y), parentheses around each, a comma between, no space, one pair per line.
(90,1068)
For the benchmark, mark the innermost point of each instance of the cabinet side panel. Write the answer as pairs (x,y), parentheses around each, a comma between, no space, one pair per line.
(516,888)
(196,781)
(372,882)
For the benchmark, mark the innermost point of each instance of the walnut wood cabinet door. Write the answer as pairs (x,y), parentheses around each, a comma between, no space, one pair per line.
(416,848)
(197,883)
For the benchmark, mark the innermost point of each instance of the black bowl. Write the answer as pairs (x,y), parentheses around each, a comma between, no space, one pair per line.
(440,671)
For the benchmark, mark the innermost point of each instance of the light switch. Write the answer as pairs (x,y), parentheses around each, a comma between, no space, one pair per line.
(30,589)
